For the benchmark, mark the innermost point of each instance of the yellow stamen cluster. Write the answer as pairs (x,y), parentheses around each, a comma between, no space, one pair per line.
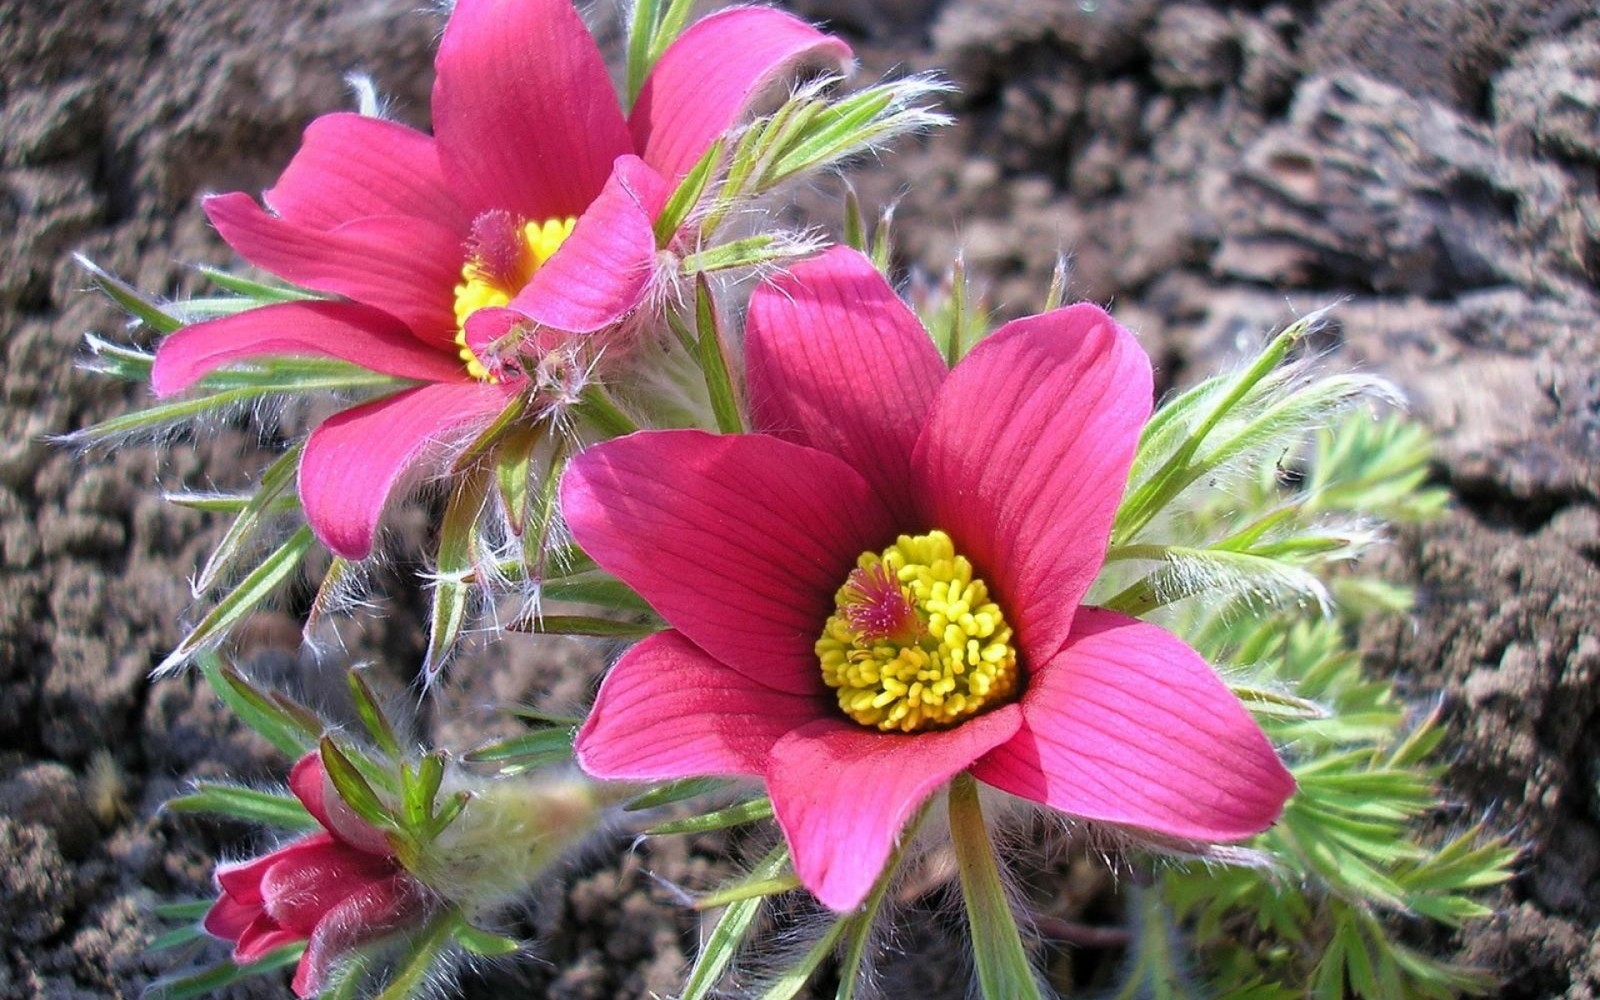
(959,662)
(480,288)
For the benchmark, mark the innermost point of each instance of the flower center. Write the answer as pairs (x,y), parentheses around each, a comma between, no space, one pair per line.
(915,642)
(503,253)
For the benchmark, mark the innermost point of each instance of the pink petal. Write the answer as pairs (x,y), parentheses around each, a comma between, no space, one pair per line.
(309,783)
(350,166)
(261,938)
(242,880)
(356,458)
(836,361)
(299,889)
(1129,725)
(843,793)
(228,918)
(406,266)
(667,710)
(377,909)
(738,541)
(708,79)
(523,109)
(343,330)
(601,273)
(1026,457)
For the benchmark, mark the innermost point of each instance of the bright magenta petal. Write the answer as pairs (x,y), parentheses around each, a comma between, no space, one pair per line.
(343,330)
(350,166)
(739,541)
(356,458)
(378,908)
(309,783)
(263,936)
(407,267)
(1129,725)
(601,273)
(242,880)
(300,888)
(667,711)
(1026,457)
(524,113)
(843,793)
(228,918)
(837,362)
(707,79)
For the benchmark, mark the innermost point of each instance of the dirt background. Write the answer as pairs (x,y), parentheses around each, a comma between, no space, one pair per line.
(1212,168)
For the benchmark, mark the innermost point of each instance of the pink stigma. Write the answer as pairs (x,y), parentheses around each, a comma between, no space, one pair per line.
(877,608)
(495,246)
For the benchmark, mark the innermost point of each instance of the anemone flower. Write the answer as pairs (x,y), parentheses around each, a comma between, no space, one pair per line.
(534,197)
(336,890)
(882,589)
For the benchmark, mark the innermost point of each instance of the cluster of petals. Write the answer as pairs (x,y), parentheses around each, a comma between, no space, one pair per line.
(526,126)
(336,890)
(1021,454)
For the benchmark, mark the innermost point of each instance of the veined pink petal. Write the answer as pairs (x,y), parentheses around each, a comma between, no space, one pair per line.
(350,166)
(837,362)
(308,780)
(343,330)
(263,936)
(376,909)
(299,889)
(407,267)
(524,113)
(1026,456)
(1129,725)
(601,273)
(707,79)
(738,541)
(242,880)
(229,918)
(667,710)
(356,458)
(843,793)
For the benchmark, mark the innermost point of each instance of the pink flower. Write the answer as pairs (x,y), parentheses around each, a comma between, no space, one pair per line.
(532,203)
(883,589)
(337,889)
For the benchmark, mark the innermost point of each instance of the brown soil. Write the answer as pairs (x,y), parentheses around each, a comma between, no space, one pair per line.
(1211,167)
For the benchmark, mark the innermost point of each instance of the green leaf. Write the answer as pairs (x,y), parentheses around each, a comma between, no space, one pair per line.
(246,804)
(748,251)
(220,977)
(527,751)
(1004,972)
(452,587)
(513,475)
(730,931)
(284,729)
(256,587)
(186,909)
(793,979)
(485,944)
(583,625)
(676,791)
(600,589)
(734,815)
(117,360)
(755,887)
(371,713)
(351,785)
(414,977)
(279,477)
(687,194)
(598,409)
(128,298)
(714,360)
(263,291)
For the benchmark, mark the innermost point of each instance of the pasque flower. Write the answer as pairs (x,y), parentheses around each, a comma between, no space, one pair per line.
(882,589)
(532,203)
(335,890)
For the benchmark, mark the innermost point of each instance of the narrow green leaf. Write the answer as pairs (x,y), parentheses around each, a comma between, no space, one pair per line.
(1002,964)
(485,944)
(721,819)
(220,977)
(187,909)
(751,888)
(257,710)
(118,360)
(176,938)
(687,194)
(128,298)
(420,792)
(246,804)
(243,599)
(412,978)
(645,17)
(527,751)
(954,348)
(507,420)
(603,628)
(714,360)
(452,589)
(603,590)
(676,791)
(748,251)
(372,715)
(855,224)
(793,979)
(513,475)
(278,478)
(255,289)
(539,716)
(730,931)
(602,413)
(352,785)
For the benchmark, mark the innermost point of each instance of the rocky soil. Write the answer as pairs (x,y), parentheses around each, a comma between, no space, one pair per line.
(1212,169)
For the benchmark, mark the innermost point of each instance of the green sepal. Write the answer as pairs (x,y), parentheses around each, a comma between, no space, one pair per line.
(372,714)
(244,804)
(287,730)
(352,785)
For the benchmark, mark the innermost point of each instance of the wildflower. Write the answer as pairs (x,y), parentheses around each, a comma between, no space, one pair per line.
(336,890)
(532,204)
(882,590)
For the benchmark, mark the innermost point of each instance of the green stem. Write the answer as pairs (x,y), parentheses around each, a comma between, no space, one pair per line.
(1004,972)
(603,414)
